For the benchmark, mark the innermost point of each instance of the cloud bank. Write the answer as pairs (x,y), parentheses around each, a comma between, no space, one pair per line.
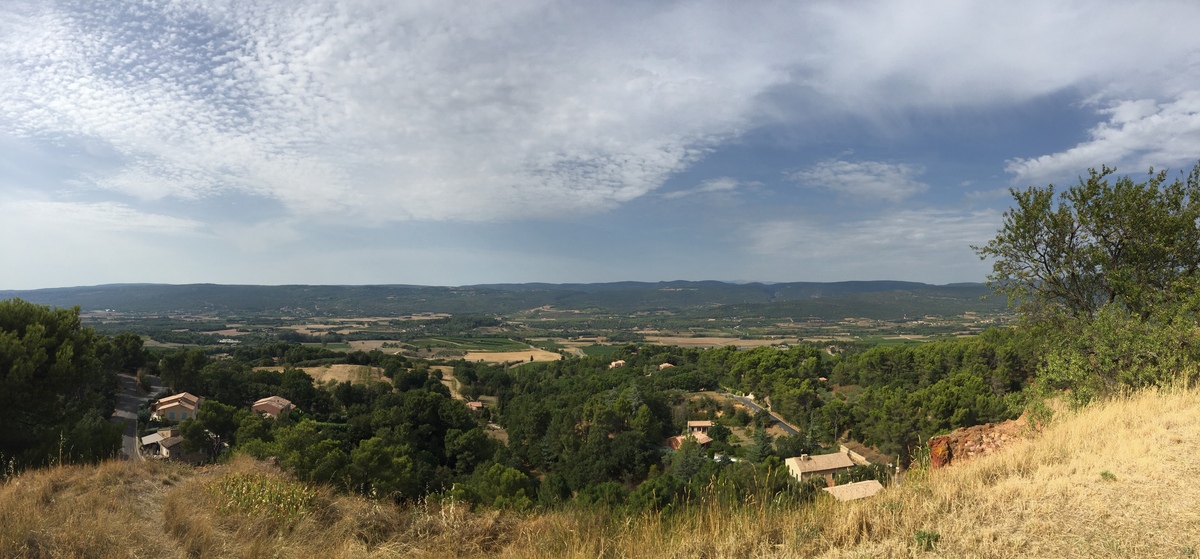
(452,111)
(867,181)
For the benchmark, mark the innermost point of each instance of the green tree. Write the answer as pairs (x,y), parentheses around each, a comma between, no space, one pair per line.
(761,446)
(1125,243)
(1107,275)
(51,380)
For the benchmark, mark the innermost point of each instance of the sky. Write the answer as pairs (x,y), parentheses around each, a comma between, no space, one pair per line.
(460,143)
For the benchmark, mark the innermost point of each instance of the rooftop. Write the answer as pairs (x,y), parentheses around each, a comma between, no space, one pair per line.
(857,490)
(183,398)
(820,463)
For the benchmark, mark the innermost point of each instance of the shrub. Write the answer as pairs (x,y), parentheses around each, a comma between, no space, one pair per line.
(260,494)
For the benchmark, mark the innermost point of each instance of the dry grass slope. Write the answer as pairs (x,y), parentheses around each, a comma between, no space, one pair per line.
(1113,480)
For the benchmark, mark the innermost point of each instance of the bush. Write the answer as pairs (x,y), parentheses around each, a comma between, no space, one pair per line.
(1116,351)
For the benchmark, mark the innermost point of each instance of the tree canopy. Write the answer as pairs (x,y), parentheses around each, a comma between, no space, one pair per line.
(1107,272)
(55,393)
(1131,244)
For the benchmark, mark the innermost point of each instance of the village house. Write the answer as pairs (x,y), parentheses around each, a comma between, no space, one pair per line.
(272,406)
(167,444)
(617,364)
(176,408)
(701,427)
(805,466)
(674,443)
(152,444)
(475,406)
(665,366)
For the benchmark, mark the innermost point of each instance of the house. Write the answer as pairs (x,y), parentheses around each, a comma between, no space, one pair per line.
(699,426)
(171,445)
(160,443)
(176,408)
(617,364)
(805,466)
(272,406)
(852,491)
(665,366)
(674,443)
(167,444)
(475,406)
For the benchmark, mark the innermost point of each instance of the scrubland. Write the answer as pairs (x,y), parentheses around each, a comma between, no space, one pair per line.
(1118,478)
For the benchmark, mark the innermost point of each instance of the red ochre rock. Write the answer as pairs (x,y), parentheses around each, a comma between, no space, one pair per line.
(969,442)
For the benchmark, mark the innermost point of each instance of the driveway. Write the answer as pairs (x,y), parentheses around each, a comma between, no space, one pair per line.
(129,398)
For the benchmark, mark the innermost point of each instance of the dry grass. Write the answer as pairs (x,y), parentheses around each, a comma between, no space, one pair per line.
(361,374)
(1050,496)
(1117,479)
(110,510)
(524,356)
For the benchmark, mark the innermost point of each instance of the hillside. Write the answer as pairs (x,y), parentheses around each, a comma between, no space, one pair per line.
(1115,479)
(870,299)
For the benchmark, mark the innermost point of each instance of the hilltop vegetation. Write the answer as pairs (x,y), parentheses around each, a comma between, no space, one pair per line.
(1112,479)
(57,385)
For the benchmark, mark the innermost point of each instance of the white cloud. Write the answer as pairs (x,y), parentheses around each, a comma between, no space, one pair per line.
(87,218)
(719,185)
(948,53)
(376,111)
(922,245)
(866,181)
(1138,134)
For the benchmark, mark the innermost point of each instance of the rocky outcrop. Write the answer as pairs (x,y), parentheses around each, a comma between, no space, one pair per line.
(969,442)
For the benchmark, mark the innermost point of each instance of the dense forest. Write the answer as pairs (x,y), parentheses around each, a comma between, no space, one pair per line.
(578,430)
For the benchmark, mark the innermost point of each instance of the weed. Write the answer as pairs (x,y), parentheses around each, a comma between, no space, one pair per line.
(1107,476)
(926,540)
(261,494)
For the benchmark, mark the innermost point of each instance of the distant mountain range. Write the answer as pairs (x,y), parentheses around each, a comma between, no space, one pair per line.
(876,299)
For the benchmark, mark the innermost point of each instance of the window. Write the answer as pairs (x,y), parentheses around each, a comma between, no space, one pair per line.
(171,416)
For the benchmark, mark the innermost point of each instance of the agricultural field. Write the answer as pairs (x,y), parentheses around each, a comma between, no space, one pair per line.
(528,355)
(360,374)
(470,344)
(605,319)
(714,341)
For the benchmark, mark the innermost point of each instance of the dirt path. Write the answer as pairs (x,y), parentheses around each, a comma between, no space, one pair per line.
(448,380)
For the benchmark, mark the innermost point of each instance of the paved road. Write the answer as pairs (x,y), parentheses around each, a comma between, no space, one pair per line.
(787,427)
(129,398)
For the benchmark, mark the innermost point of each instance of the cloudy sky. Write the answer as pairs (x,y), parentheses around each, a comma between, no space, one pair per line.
(453,143)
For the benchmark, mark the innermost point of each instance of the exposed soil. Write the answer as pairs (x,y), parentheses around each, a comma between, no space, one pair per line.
(969,442)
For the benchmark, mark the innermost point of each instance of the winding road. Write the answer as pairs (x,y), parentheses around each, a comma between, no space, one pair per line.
(787,427)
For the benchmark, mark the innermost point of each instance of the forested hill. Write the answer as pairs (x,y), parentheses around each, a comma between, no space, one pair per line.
(876,299)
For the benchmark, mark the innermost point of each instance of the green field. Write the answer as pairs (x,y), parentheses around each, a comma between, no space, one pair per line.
(470,344)
(601,350)
(335,346)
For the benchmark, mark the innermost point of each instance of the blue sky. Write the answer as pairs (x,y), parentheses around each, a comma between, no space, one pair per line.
(454,143)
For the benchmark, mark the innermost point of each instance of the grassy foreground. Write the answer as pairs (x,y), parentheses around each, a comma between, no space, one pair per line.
(1117,479)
